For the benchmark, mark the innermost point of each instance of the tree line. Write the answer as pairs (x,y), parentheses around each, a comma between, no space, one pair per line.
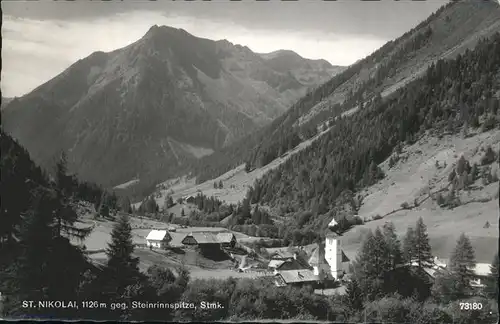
(452,95)
(31,268)
(261,147)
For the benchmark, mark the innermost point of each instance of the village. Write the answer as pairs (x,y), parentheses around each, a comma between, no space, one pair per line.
(219,253)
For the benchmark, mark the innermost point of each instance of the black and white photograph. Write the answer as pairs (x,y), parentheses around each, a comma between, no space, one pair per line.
(250,161)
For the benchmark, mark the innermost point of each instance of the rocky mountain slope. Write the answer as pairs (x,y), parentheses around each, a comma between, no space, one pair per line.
(147,108)
(450,31)
(5,101)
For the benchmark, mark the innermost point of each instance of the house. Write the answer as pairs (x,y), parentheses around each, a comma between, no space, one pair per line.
(296,278)
(282,255)
(226,239)
(189,199)
(297,262)
(158,239)
(482,271)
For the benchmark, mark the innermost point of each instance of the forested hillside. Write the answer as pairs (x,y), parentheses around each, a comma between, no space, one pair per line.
(145,110)
(38,263)
(452,96)
(448,32)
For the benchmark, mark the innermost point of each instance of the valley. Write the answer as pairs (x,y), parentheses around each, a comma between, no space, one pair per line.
(179,169)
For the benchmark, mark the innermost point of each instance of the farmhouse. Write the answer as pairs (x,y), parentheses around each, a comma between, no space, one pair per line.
(158,239)
(283,255)
(296,278)
(286,260)
(482,271)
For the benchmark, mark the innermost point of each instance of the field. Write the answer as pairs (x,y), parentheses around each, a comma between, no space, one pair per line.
(199,266)
(412,178)
(236,182)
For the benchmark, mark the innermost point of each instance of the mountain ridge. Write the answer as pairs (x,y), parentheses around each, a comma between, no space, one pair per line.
(113,111)
(449,31)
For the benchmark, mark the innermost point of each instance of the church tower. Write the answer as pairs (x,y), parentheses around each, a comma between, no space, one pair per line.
(333,251)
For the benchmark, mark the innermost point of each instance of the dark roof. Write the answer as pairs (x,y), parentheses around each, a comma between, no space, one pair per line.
(204,238)
(294,276)
(211,238)
(344,257)
(283,254)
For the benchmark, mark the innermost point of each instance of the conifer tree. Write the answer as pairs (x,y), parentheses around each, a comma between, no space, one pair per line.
(422,248)
(493,280)
(462,261)
(393,244)
(39,272)
(125,205)
(353,297)
(28,274)
(381,255)
(408,245)
(367,267)
(103,207)
(122,268)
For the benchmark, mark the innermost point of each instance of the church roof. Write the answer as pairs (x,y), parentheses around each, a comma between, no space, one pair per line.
(318,256)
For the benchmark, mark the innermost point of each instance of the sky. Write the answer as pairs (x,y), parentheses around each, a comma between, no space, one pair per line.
(43,38)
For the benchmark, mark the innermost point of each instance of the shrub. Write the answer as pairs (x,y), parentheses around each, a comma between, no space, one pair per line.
(488,157)
(440,199)
(489,123)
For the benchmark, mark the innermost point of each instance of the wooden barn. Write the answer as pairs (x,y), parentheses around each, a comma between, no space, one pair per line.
(202,239)
(226,239)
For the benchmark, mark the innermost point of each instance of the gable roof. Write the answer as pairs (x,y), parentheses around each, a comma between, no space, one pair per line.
(482,269)
(344,257)
(283,254)
(157,235)
(333,223)
(205,238)
(275,263)
(294,276)
(318,255)
(225,237)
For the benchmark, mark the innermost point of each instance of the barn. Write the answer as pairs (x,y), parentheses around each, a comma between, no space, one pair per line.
(158,239)
(201,239)
(226,239)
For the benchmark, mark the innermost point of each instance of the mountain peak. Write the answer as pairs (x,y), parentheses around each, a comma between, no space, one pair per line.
(156,30)
(280,53)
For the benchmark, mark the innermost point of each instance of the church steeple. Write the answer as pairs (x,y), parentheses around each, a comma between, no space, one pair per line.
(333,226)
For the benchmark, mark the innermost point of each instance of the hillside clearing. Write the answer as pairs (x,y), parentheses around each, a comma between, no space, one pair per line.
(411,179)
